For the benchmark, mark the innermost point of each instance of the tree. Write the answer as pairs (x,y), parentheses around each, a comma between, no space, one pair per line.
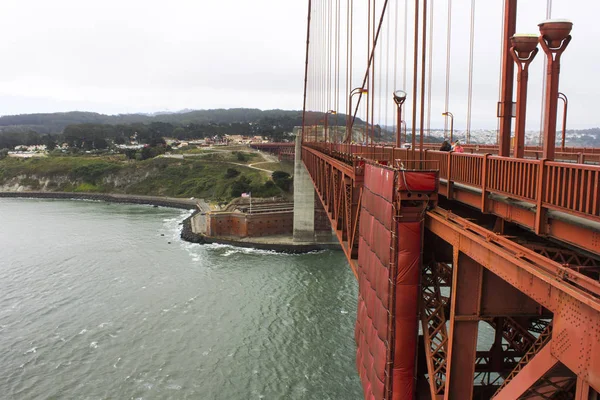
(130,154)
(49,142)
(231,173)
(100,143)
(282,179)
(241,185)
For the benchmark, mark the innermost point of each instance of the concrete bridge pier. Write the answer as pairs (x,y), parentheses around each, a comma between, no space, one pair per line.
(311,223)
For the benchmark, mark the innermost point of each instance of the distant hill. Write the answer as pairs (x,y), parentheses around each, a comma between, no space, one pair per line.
(54,123)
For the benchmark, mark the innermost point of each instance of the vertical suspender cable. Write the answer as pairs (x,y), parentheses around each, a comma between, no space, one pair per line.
(350,70)
(544,77)
(430,67)
(379,85)
(471,47)
(306,67)
(329,51)
(328,59)
(423,77)
(338,60)
(395,87)
(369,73)
(387,68)
(415,73)
(448,41)
(405,44)
(372,94)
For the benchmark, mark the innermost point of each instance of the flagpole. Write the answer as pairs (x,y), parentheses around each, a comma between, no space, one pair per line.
(250,202)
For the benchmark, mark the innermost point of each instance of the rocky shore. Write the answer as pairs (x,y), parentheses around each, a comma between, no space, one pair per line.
(285,246)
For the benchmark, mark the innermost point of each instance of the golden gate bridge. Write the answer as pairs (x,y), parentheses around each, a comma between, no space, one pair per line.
(504,234)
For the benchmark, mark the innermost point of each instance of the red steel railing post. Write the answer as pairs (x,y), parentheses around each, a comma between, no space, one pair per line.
(484,178)
(540,212)
(449,184)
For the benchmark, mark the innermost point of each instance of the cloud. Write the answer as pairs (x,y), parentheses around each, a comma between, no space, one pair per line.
(133,55)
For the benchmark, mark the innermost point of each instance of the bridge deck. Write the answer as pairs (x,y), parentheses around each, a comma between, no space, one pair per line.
(519,283)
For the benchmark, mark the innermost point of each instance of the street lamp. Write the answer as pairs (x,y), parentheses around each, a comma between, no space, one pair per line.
(326,115)
(563,97)
(554,39)
(350,115)
(523,50)
(449,114)
(399,98)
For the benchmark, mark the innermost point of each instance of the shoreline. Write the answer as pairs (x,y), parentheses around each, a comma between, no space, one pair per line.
(187,233)
(171,202)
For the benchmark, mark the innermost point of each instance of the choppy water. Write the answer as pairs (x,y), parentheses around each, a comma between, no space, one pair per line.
(96,304)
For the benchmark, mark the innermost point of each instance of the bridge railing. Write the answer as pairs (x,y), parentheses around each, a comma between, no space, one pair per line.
(516,178)
(466,168)
(580,155)
(564,186)
(572,188)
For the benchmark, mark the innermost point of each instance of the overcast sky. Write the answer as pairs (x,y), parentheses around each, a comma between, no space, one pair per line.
(143,56)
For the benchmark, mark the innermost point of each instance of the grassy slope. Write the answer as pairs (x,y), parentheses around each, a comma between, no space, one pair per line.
(202,177)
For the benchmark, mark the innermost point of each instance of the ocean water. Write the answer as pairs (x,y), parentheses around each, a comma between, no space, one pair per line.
(104,301)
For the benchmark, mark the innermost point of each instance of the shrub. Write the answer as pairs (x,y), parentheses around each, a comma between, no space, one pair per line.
(231,173)
(90,173)
(242,157)
(241,185)
(282,179)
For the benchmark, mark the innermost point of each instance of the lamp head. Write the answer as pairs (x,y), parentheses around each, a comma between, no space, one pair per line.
(399,97)
(524,44)
(555,31)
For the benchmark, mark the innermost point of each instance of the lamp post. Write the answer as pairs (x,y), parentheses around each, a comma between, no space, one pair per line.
(449,114)
(523,51)
(326,126)
(399,98)
(350,116)
(554,39)
(563,97)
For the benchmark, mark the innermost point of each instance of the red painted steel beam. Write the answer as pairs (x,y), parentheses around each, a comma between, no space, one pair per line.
(541,364)
(576,311)
(467,283)
(578,235)
(508,68)
(582,391)
(512,302)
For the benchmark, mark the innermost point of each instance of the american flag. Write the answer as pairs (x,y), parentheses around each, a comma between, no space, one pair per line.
(246,194)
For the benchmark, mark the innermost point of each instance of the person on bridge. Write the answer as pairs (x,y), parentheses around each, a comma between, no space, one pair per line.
(445,146)
(457,148)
